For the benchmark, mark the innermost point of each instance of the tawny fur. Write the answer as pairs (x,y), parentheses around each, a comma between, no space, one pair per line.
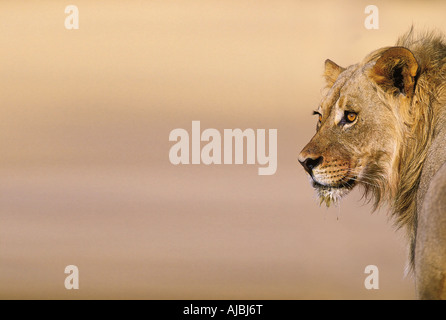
(418,120)
(407,119)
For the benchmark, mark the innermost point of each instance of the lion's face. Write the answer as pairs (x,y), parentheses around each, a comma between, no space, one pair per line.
(356,134)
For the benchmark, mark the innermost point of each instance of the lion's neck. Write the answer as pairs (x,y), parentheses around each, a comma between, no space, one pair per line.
(419,157)
(435,158)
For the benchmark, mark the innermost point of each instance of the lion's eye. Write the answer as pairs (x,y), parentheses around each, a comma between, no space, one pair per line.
(319,116)
(350,117)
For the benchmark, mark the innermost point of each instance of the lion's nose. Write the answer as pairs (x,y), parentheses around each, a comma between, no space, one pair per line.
(310,163)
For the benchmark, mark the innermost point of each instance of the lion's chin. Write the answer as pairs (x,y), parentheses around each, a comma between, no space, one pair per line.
(332,194)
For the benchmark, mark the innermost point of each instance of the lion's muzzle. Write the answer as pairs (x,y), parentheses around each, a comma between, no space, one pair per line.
(332,169)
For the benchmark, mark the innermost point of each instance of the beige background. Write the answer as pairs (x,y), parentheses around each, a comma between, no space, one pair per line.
(85,177)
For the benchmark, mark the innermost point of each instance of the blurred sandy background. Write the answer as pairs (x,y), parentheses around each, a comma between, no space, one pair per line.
(85,177)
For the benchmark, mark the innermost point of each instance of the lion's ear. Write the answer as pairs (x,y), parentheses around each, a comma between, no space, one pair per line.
(332,71)
(395,71)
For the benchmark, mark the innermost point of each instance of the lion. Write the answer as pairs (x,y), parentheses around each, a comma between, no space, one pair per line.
(382,125)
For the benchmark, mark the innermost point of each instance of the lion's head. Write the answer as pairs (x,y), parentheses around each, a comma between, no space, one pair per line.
(380,124)
(362,125)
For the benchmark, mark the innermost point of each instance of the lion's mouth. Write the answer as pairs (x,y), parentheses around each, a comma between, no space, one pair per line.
(349,184)
(329,194)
